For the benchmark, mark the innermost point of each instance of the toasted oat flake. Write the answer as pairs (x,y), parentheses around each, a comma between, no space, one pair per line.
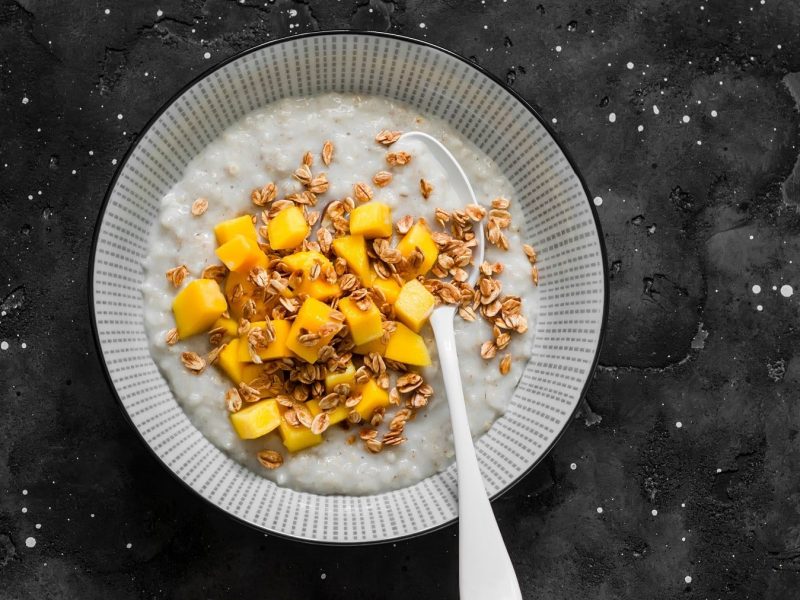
(382,178)
(488,350)
(303,174)
(535,274)
(270,459)
(233,401)
(362,192)
(327,152)
(404,224)
(398,159)
(308,159)
(215,272)
(530,253)
(265,195)
(425,188)
(505,364)
(501,203)
(475,212)
(193,362)
(320,423)
(177,274)
(374,445)
(172,337)
(387,137)
(199,206)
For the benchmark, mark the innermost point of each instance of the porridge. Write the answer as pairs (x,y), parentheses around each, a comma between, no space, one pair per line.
(304,250)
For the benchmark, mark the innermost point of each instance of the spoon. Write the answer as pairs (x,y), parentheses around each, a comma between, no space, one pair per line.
(485,571)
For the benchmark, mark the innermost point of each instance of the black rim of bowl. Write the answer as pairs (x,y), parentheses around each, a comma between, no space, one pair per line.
(216,67)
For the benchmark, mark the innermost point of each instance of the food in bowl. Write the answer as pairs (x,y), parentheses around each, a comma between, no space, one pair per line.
(304,251)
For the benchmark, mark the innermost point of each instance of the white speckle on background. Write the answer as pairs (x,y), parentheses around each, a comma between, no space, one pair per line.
(322,576)
(599,510)
(719,470)
(422,25)
(786,291)
(24,509)
(4,345)
(30,542)
(654,512)
(686,118)
(113,161)
(24,492)
(107,11)
(38,526)
(612,117)
(678,424)
(655,109)
(25,100)
(683,504)
(292,12)
(554,120)
(558,48)
(759,308)
(713,113)
(629,65)
(159,13)
(598,201)
(119,116)
(129,545)
(23,345)
(640,128)
(207,55)
(756,289)
(573,466)
(688,578)
(699,143)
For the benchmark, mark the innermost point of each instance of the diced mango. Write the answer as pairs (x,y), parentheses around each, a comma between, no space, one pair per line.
(257,419)
(419,236)
(235,306)
(275,349)
(353,249)
(313,317)
(347,376)
(318,288)
(297,437)
(241,254)
(372,220)
(407,347)
(287,229)
(372,396)
(414,304)
(337,415)
(389,287)
(227,230)
(229,325)
(376,346)
(365,325)
(250,372)
(229,362)
(197,306)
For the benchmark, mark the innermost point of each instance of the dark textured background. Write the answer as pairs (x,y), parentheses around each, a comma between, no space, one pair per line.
(690,229)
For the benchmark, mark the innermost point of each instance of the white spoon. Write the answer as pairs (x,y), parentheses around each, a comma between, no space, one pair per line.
(485,570)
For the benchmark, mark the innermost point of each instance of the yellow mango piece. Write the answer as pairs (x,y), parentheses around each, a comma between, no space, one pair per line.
(347,376)
(407,347)
(287,229)
(197,306)
(241,254)
(372,396)
(372,220)
(256,419)
(318,288)
(389,287)
(229,361)
(376,346)
(227,230)
(337,415)
(419,236)
(313,317)
(365,325)
(353,249)
(297,437)
(250,372)
(229,325)
(414,304)
(235,307)
(275,349)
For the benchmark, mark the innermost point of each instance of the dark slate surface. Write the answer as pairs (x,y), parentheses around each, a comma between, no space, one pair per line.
(695,214)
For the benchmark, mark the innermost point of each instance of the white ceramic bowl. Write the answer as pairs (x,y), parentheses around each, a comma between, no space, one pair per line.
(559,217)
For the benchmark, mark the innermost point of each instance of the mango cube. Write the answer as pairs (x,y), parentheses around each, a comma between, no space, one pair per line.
(414,304)
(287,229)
(297,437)
(318,288)
(347,376)
(365,325)
(372,396)
(337,415)
(419,236)
(389,287)
(275,349)
(407,347)
(353,249)
(197,306)
(256,419)
(251,372)
(376,346)
(227,230)
(314,317)
(235,306)
(230,326)
(229,362)
(372,220)
(241,254)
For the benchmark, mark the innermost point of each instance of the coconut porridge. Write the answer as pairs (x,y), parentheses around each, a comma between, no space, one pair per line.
(380,421)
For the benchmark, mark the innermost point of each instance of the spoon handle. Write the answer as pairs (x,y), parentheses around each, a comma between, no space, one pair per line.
(485,569)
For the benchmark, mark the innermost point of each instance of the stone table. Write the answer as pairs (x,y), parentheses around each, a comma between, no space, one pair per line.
(679,478)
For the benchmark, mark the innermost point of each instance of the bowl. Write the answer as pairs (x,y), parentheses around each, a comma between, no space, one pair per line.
(560,221)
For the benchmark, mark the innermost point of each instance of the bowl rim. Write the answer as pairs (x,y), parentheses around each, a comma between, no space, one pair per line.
(332,32)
